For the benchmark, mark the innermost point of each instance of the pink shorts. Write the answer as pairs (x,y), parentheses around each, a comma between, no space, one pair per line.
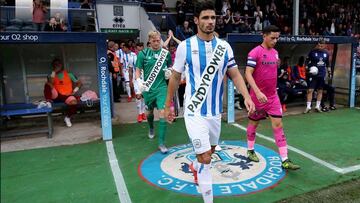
(271,108)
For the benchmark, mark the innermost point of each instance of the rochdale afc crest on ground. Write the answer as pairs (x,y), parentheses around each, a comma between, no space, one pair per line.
(233,173)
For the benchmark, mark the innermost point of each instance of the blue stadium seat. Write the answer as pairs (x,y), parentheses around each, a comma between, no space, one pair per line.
(12,28)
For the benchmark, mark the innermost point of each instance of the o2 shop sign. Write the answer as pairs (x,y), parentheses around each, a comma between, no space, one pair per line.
(19,37)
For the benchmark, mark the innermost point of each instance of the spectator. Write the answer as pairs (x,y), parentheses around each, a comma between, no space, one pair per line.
(236,7)
(236,21)
(60,21)
(286,30)
(85,5)
(184,32)
(267,15)
(246,27)
(52,25)
(181,13)
(326,32)
(225,7)
(302,29)
(228,22)
(39,11)
(219,27)
(164,9)
(59,88)
(332,27)
(247,7)
(258,15)
(170,45)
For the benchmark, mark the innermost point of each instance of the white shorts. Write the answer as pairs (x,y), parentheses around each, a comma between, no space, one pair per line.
(203,132)
(126,75)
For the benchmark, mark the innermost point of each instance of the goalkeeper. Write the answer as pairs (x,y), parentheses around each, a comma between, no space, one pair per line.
(154,62)
(317,63)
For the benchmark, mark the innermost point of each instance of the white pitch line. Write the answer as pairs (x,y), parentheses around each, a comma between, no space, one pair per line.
(351,169)
(118,177)
(307,155)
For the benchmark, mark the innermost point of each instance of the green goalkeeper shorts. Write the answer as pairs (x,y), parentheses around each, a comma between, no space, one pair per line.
(155,98)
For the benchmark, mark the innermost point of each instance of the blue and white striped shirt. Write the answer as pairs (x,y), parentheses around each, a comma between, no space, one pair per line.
(129,60)
(192,56)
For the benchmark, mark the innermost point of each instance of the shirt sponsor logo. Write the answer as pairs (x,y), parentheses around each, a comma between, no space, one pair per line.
(207,77)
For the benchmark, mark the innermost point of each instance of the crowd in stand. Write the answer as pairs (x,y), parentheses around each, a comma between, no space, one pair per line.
(316,17)
(41,21)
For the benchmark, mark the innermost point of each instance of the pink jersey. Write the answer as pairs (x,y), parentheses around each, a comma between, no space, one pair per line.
(265,62)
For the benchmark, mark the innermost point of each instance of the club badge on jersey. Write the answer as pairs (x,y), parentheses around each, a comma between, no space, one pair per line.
(207,77)
(156,69)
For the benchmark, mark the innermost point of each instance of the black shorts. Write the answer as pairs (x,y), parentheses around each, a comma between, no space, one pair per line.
(316,83)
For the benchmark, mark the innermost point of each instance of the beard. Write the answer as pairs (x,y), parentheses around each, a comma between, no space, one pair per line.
(204,30)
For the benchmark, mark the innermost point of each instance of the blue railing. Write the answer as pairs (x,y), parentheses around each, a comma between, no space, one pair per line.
(78,20)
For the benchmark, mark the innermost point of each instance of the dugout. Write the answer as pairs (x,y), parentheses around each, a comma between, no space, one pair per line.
(342,51)
(25,61)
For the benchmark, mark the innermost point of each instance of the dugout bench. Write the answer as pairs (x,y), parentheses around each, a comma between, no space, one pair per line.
(26,109)
(29,109)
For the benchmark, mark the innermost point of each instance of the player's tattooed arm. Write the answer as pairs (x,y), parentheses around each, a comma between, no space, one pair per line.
(240,85)
(172,87)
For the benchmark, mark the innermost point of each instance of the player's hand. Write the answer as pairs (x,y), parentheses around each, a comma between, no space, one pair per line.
(250,106)
(141,85)
(171,33)
(75,90)
(329,75)
(261,97)
(167,73)
(169,116)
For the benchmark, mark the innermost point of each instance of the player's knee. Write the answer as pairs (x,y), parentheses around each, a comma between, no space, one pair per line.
(161,113)
(150,112)
(277,124)
(254,123)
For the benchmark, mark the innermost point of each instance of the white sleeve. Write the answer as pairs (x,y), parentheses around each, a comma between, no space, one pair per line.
(180,58)
(121,58)
(135,58)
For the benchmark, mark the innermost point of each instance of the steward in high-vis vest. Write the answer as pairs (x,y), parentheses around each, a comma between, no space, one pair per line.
(60,88)
(114,68)
(300,71)
(115,63)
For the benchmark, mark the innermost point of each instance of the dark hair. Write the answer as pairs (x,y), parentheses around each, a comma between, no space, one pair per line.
(321,41)
(202,6)
(140,44)
(55,60)
(271,28)
(127,45)
(301,60)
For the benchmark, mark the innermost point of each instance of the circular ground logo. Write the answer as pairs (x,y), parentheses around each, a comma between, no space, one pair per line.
(233,173)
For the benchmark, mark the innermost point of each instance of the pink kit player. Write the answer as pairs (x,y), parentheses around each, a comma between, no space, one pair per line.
(261,74)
